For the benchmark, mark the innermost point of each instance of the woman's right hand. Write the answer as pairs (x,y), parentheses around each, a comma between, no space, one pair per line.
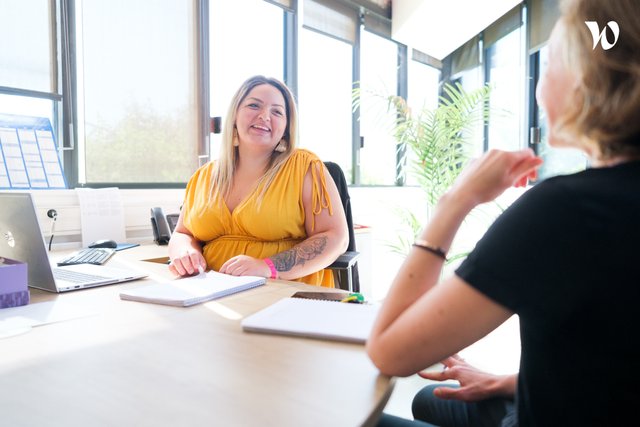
(185,251)
(186,262)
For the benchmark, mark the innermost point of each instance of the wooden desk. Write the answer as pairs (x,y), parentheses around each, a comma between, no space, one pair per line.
(137,364)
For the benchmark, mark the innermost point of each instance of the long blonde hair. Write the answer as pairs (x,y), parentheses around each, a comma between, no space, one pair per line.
(605,108)
(225,167)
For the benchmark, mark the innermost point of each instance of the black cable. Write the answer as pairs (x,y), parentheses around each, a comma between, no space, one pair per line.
(51,213)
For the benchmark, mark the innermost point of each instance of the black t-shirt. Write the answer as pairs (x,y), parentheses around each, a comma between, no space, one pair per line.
(566,258)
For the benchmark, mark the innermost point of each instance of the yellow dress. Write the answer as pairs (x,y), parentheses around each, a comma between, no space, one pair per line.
(257,229)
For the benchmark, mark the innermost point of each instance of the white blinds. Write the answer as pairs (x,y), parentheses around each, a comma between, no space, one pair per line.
(331,18)
(286,4)
(544,14)
(503,26)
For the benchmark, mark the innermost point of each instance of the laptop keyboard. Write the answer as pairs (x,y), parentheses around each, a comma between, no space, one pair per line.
(75,276)
(97,256)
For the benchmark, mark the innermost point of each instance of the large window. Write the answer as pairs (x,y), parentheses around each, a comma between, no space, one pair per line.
(506,74)
(242,44)
(29,71)
(324,91)
(136,91)
(379,75)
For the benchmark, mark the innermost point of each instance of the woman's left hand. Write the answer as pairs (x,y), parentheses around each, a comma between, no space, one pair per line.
(244,265)
(475,385)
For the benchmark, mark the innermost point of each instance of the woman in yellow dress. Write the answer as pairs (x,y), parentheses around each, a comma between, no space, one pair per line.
(264,208)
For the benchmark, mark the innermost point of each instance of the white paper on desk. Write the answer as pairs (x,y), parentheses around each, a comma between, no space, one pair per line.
(192,290)
(101,215)
(20,319)
(329,320)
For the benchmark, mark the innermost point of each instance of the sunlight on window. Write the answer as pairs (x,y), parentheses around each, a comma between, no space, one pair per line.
(325,67)
(242,45)
(422,94)
(138,103)
(24,106)
(379,74)
(26,59)
(506,71)
(557,161)
(471,80)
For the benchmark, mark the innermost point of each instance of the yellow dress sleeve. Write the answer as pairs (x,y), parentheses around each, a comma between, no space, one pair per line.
(319,196)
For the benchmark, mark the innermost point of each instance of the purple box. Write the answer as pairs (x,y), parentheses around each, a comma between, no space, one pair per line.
(13,283)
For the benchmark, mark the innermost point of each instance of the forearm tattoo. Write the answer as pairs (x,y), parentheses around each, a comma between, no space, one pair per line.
(298,255)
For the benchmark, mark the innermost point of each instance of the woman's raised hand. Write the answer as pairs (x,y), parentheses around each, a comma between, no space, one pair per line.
(489,176)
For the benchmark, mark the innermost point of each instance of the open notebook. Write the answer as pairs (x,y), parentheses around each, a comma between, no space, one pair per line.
(192,290)
(312,318)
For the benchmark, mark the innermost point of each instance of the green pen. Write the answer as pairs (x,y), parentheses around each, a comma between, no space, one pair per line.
(354,297)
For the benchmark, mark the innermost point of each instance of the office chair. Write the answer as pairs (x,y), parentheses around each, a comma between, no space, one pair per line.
(345,267)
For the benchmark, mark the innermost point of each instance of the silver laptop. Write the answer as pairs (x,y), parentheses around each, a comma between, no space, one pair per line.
(22,240)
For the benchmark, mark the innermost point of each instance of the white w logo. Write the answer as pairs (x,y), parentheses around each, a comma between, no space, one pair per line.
(601,36)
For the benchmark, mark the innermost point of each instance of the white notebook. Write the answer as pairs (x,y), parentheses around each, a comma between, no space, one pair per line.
(192,290)
(336,321)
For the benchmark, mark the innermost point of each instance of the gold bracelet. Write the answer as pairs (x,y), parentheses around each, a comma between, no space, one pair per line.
(436,250)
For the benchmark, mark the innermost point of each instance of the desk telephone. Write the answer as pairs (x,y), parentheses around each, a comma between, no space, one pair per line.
(162,225)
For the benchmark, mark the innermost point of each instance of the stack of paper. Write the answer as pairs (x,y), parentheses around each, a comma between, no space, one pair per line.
(101,214)
(315,319)
(192,290)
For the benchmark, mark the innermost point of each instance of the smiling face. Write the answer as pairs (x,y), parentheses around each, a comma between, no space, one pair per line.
(261,118)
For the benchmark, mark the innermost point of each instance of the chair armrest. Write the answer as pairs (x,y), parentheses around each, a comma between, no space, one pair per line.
(345,261)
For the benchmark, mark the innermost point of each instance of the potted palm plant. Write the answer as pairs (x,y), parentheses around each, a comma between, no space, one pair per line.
(435,143)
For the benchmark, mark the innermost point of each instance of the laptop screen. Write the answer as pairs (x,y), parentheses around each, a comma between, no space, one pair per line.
(22,240)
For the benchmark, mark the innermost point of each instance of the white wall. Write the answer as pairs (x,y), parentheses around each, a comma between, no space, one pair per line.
(137,207)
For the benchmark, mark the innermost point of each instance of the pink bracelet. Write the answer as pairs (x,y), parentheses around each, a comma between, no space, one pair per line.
(274,272)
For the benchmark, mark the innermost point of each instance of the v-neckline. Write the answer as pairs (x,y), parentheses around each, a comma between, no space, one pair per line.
(246,198)
(242,201)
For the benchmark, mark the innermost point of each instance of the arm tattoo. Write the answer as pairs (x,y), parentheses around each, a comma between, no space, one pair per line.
(299,254)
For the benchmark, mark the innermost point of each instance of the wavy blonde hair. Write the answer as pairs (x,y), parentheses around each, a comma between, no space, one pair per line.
(605,109)
(225,167)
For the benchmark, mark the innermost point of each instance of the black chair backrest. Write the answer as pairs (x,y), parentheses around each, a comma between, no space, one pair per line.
(341,182)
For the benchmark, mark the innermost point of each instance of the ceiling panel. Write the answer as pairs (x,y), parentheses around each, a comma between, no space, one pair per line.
(438,27)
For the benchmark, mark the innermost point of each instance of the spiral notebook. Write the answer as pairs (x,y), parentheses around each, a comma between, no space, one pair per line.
(192,290)
(313,318)
(322,296)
